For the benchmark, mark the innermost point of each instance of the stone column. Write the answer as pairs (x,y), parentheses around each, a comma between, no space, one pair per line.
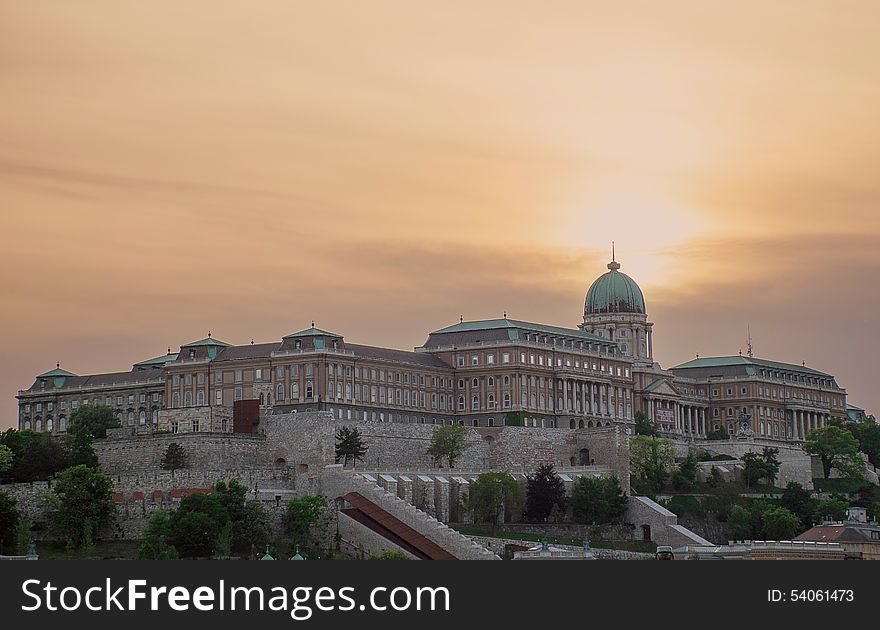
(584,401)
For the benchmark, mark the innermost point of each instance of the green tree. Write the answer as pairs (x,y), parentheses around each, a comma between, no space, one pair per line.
(831,510)
(36,456)
(685,477)
(643,425)
(651,460)
(715,478)
(9,523)
(838,450)
(6,458)
(545,493)
(780,524)
(739,523)
(84,504)
(760,466)
(770,456)
(155,545)
(448,441)
(597,500)
(798,500)
(253,529)
(494,494)
(303,518)
(194,534)
(349,446)
(79,448)
(868,436)
(224,540)
(721,499)
(251,525)
(174,458)
(95,418)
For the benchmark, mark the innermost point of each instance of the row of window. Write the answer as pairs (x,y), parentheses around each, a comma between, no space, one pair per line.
(782,393)
(119,399)
(539,360)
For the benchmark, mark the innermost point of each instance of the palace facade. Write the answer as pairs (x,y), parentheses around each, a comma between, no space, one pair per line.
(477,373)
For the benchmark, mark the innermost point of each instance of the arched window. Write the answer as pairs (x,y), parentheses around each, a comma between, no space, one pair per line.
(175,400)
(490,401)
(475,403)
(188,399)
(62,423)
(49,423)
(461,403)
(155,417)
(200,398)
(262,399)
(38,425)
(142,418)
(310,390)
(279,392)
(27,425)
(294,391)
(130,418)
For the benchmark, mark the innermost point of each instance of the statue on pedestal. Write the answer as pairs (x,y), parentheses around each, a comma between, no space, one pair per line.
(745,426)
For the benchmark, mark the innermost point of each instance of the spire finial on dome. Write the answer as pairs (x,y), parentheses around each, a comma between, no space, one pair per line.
(613,265)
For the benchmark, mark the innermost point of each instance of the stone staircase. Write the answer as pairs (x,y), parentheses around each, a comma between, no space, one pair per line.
(337,482)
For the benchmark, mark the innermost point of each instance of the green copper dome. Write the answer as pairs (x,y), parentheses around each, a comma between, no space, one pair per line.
(614,292)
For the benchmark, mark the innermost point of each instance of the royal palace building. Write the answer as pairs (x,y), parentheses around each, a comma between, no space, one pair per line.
(477,373)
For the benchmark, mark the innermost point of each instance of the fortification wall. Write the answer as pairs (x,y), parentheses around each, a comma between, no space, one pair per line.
(206,451)
(306,441)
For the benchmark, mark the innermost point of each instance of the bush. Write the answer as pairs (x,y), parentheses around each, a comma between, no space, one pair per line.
(493,492)
(839,485)
(780,524)
(597,500)
(684,505)
(194,534)
(718,434)
(155,545)
(83,501)
(831,510)
(9,523)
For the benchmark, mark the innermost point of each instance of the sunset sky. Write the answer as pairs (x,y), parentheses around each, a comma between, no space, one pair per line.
(172,167)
